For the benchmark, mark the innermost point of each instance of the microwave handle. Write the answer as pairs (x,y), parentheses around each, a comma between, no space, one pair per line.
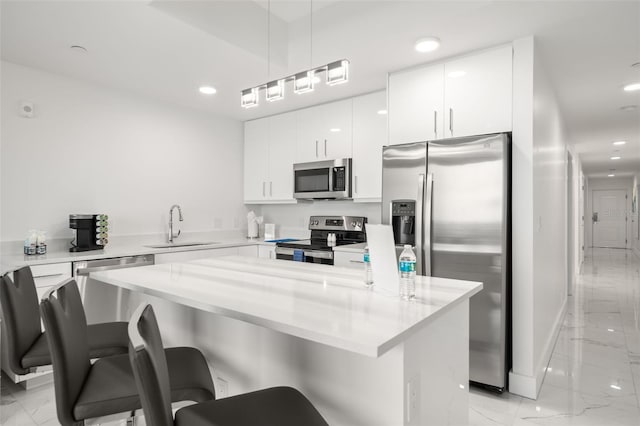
(331,173)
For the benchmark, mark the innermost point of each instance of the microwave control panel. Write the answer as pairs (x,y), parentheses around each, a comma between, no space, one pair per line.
(339,178)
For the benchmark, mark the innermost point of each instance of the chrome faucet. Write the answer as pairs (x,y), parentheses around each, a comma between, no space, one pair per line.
(171,234)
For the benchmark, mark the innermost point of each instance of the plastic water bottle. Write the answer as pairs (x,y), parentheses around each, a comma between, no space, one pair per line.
(368,272)
(407,273)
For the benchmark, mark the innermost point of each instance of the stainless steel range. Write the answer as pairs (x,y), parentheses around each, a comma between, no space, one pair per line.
(318,249)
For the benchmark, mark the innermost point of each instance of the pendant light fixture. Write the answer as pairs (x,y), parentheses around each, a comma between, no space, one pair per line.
(303,82)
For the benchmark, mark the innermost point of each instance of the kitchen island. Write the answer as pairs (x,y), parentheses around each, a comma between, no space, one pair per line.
(361,357)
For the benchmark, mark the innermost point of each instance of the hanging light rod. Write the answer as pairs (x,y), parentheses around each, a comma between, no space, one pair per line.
(303,82)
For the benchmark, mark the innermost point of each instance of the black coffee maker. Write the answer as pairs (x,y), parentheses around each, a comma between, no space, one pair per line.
(91,231)
(403,221)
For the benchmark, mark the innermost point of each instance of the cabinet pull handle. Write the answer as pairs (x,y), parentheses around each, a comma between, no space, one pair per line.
(316,149)
(356,261)
(271,188)
(325,147)
(355,184)
(435,124)
(263,193)
(451,120)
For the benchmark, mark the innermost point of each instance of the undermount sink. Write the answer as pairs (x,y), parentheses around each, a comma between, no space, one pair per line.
(184,244)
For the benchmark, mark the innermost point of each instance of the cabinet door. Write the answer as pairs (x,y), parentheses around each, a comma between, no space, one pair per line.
(282,148)
(478,91)
(416,99)
(308,137)
(267,252)
(369,135)
(335,129)
(256,157)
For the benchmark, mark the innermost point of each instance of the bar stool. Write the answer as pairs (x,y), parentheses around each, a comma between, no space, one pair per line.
(278,406)
(106,388)
(27,344)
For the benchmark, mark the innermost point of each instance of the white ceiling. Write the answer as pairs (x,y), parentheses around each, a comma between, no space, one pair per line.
(167,49)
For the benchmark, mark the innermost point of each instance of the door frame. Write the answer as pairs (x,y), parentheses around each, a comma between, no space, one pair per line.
(626,213)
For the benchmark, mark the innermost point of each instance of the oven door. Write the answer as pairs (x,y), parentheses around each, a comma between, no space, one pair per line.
(324,257)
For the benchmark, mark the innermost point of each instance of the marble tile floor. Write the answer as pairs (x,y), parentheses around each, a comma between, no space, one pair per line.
(593,377)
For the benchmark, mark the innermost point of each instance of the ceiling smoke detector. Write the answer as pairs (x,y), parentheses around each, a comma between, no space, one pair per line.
(629,108)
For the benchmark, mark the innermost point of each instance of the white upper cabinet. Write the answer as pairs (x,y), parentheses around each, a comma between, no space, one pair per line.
(416,102)
(478,93)
(282,148)
(256,154)
(269,149)
(325,132)
(369,135)
(468,96)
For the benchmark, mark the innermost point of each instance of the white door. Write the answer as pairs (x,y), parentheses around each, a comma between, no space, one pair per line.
(478,91)
(369,135)
(282,149)
(416,100)
(336,128)
(609,218)
(256,152)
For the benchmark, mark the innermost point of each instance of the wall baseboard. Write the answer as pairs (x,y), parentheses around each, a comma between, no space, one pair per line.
(529,386)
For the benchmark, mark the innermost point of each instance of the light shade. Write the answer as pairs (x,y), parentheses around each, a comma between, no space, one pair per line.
(337,72)
(249,98)
(303,82)
(275,90)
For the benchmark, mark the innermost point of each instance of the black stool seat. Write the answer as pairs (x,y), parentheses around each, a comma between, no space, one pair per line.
(280,406)
(110,387)
(105,339)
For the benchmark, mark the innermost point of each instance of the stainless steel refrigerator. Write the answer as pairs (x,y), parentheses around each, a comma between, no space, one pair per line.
(450,199)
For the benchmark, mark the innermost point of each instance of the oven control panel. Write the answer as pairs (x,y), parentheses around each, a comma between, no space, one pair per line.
(337,223)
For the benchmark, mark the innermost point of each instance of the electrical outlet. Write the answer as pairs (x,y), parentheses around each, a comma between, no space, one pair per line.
(413,401)
(222,388)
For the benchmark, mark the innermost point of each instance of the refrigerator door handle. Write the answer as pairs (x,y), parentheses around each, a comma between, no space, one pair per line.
(427,224)
(418,231)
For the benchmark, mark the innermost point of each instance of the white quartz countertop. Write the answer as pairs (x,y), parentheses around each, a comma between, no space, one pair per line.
(325,304)
(351,248)
(12,258)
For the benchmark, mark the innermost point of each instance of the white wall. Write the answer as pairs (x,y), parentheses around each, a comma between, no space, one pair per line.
(91,149)
(606,183)
(539,220)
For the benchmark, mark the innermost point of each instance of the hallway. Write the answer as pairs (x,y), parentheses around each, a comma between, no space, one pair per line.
(594,374)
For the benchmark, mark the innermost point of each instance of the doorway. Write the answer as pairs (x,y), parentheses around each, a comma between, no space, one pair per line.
(609,218)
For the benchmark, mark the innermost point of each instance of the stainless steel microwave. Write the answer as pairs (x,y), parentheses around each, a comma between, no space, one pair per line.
(322,179)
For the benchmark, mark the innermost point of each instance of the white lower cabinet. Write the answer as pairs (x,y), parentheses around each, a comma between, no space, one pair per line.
(267,252)
(349,259)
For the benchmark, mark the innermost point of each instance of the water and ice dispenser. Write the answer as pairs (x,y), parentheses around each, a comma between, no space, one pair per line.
(403,221)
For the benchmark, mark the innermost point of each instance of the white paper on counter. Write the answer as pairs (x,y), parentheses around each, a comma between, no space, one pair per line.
(382,252)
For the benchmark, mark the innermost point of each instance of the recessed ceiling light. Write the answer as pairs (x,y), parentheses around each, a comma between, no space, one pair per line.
(382,112)
(207,90)
(427,44)
(619,142)
(616,387)
(629,108)
(632,87)
(615,158)
(611,175)
(334,130)
(457,74)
